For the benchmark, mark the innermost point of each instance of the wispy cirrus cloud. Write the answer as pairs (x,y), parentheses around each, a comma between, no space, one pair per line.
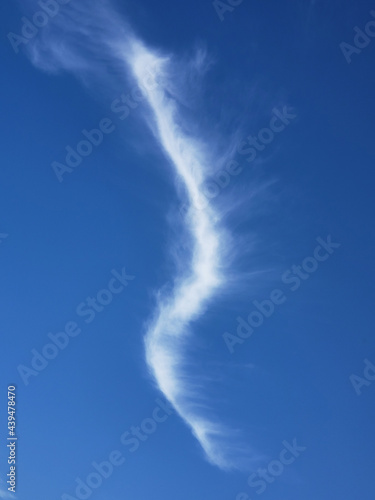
(87,39)
(168,332)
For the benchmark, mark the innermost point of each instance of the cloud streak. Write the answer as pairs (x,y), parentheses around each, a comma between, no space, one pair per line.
(167,332)
(80,40)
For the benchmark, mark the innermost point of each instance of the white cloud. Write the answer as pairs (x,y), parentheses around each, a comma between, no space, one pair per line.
(167,334)
(85,40)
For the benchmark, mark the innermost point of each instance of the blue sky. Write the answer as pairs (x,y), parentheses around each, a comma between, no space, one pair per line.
(187,295)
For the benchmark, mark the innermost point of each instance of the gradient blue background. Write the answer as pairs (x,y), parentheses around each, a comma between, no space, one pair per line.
(64,239)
